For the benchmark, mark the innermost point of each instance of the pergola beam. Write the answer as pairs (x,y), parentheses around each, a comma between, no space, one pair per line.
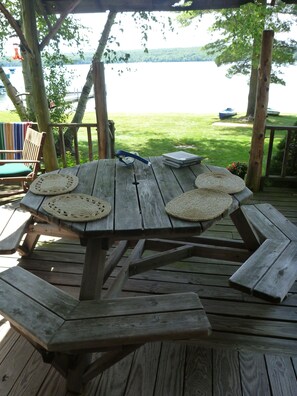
(95,6)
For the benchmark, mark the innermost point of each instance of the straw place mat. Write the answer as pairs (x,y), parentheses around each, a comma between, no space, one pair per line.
(199,205)
(54,183)
(225,182)
(77,207)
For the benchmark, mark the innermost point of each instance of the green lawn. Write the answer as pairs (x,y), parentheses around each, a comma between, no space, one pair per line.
(154,134)
(203,134)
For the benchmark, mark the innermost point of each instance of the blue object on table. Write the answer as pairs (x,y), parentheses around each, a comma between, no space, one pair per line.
(128,158)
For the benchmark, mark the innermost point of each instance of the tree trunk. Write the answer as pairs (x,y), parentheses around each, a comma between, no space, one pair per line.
(254,174)
(105,140)
(252,97)
(38,87)
(12,94)
(83,99)
(28,86)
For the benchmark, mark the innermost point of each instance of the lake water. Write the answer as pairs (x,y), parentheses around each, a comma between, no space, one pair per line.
(185,87)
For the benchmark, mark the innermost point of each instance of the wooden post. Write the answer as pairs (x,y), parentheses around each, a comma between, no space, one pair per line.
(253,180)
(104,140)
(38,87)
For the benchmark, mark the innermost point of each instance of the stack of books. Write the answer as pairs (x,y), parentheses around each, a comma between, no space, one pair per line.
(179,159)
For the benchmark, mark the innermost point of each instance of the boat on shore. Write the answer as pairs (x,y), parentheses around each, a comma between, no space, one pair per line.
(272,112)
(227,113)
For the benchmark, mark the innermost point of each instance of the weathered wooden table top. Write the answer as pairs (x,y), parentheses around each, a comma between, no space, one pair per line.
(137,194)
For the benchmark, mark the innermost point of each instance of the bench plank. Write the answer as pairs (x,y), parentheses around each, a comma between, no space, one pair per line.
(279,220)
(58,322)
(252,270)
(136,305)
(36,289)
(120,330)
(271,270)
(29,317)
(280,277)
(263,226)
(14,224)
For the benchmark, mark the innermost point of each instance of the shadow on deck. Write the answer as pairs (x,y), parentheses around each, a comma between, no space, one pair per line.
(252,351)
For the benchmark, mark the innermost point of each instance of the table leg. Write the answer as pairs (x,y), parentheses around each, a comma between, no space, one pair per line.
(93,271)
(245,229)
(92,279)
(29,243)
(75,373)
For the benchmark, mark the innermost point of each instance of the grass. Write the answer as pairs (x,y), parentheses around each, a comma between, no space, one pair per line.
(220,142)
(203,134)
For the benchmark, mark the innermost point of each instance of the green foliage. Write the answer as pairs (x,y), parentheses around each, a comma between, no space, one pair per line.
(57,78)
(146,21)
(57,83)
(185,54)
(6,30)
(166,55)
(70,33)
(238,169)
(277,159)
(241,32)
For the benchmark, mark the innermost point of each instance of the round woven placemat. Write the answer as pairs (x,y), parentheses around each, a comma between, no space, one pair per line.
(54,184)
(225,182)
(77,207)
(199,205)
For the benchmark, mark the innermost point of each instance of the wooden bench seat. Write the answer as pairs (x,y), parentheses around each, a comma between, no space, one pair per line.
(14,224)
(269,223)
(271,270)
(57,322)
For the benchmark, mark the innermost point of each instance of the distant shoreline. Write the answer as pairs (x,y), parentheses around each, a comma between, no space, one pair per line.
(190,54)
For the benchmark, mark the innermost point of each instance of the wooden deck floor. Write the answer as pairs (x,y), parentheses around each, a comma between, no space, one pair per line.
(252,351)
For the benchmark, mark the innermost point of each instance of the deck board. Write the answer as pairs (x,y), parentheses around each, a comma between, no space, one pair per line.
(252,351)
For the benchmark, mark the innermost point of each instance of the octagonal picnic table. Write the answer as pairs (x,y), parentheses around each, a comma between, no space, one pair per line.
(137,195)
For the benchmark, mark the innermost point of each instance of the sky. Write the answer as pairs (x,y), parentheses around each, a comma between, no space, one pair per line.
(130,38)
(195,35)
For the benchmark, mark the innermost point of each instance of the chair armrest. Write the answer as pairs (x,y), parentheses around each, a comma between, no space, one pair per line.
(20,161)
(10,151)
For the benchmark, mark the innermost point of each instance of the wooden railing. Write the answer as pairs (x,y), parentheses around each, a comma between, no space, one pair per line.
(289,133)
(88,133)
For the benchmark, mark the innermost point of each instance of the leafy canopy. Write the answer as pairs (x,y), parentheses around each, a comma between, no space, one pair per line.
(240,36)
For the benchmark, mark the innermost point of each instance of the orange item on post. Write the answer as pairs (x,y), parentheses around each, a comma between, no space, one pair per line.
(16,55)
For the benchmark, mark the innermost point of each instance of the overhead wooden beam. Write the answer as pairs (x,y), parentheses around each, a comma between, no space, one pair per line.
(94,6)
(54,29)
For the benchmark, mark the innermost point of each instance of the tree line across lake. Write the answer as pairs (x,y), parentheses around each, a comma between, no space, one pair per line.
(191,54)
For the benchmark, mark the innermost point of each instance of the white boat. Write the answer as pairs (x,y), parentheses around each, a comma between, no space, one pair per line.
(272,112)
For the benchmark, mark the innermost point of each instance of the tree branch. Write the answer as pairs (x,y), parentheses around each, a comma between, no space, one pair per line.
(14,24)
(57,25)
(14,96)
(41,10)
(104,35)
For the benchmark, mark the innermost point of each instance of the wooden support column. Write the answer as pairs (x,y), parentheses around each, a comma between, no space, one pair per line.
(103,132)
(253,180)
